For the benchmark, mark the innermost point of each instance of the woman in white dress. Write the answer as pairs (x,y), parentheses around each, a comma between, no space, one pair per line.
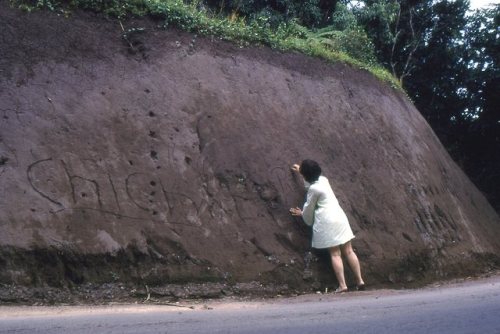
(330,226)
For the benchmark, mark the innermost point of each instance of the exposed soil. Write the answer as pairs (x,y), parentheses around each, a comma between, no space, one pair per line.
(163,160)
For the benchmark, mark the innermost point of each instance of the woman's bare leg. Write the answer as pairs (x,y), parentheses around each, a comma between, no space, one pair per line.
(338,266)
(352,260)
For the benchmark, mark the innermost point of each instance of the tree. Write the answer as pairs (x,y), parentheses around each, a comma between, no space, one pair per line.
(480,142)
(455,85)
(440,74)
(397,29)
(310,13)
(344,34)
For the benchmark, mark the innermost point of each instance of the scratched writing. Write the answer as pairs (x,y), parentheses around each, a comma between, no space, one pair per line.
(136,195)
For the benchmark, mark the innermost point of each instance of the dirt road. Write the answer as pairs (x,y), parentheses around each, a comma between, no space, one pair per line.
(466,307)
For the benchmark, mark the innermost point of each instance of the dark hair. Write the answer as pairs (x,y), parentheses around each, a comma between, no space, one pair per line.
(310,170)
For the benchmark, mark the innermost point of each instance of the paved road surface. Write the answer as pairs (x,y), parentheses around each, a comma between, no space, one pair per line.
(468,307)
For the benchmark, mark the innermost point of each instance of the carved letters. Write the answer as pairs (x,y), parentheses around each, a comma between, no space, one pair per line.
(136,196)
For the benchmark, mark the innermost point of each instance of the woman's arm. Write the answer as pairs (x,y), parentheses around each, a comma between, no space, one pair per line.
(309,206)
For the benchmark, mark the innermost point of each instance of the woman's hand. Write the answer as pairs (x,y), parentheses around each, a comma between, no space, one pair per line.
(296,168)
(296,212)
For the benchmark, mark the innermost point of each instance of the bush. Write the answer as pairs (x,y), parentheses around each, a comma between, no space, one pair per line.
(352,41)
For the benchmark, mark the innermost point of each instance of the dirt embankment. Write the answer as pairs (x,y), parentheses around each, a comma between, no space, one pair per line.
(163,160)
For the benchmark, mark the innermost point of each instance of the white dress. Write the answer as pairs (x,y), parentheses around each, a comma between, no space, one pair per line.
(322,210)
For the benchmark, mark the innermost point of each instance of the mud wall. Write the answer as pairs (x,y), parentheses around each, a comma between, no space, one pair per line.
(168,161)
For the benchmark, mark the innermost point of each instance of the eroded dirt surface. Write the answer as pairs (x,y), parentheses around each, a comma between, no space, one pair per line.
(237,302)
(164,160)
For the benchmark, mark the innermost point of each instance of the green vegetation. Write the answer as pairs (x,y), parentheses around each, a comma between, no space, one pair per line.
(351,46)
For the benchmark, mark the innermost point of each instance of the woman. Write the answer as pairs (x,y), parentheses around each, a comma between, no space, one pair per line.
(330,226)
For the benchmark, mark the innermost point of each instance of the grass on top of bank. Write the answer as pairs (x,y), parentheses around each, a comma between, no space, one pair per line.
(350,46)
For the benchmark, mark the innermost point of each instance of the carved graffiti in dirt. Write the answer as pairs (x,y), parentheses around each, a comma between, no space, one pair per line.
(40,187)
(138,195)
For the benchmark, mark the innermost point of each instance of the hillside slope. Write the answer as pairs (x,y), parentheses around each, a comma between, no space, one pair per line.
(165,158)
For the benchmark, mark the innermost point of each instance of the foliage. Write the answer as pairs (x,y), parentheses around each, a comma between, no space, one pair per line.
(479,122)
(439,71)
(116,8)
(264,27)
(397,29)
(346,36)
(29,6)
(482,56)
(306,12)
(449,63)
(343,18)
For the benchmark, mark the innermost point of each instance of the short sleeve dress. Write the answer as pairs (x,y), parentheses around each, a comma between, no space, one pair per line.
(322,210)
